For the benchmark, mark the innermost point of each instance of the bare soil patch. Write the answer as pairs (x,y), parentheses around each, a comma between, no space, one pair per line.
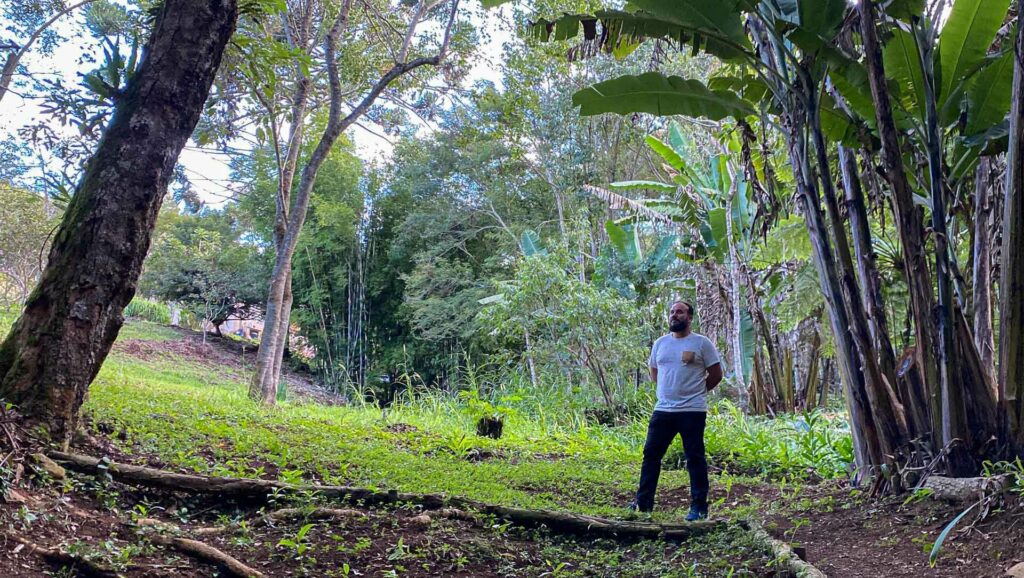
(848,535)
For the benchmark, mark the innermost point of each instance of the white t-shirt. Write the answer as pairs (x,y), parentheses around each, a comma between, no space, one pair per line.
(682,371)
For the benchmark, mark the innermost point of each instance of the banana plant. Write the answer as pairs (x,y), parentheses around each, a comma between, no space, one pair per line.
(705,203)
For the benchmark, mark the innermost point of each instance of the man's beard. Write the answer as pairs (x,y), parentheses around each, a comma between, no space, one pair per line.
(678,326)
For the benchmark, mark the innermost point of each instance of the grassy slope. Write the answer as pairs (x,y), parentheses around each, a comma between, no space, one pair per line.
(191,418)
(196,417)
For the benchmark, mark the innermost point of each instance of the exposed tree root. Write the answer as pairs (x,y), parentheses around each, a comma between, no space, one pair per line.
(782,551)
(253,489)
(83,566)
(208,553)
(965,489)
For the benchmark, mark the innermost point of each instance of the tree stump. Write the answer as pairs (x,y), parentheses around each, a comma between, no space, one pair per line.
(490,426)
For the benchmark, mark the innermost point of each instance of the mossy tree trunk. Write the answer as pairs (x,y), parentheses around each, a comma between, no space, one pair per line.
(71,319)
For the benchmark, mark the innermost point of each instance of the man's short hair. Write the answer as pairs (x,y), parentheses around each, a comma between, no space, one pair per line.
(689,306)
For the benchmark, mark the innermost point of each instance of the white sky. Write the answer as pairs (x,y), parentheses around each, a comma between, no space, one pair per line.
(208,169)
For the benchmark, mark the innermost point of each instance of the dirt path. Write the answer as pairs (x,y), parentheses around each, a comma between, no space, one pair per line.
(847,535)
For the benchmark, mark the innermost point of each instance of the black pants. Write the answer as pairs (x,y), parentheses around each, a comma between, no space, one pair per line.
(663,428)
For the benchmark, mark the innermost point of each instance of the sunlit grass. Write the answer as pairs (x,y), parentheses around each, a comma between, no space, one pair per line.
(196,418)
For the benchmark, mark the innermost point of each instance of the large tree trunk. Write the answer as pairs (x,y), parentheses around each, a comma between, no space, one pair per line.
(908,222)
(1011,305)
(888,414)
(913,403)
(955,389)
(71,319)
(865,436)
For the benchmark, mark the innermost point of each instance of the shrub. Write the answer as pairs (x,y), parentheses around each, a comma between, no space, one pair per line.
(147,310)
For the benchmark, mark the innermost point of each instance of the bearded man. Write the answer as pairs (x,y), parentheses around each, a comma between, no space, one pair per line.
(685,366)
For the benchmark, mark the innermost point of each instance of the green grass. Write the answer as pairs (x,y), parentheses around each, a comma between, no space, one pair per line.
(198,419)
(132,329)
(148,331)
(7,318)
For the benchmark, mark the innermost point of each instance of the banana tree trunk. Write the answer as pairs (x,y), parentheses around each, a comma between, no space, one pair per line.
(811,379)
(913,403)
(908,223)
(867,447)
(737,343)
(981,275)
(1011,305)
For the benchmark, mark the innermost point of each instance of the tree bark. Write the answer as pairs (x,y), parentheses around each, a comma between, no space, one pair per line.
(811,380)
(890,423)
(914,405)
(908,221)
(865,436)
(1011,285)
(72,318)
(981,274)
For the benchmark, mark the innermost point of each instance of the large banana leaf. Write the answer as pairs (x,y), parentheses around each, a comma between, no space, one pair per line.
(749,87)
(903,65)
(822,17)
(988,97)
(667,153)
(530,242)
(853,85)
(621,31)
(747,344)
(675,152)
(835,124)
(721,21)
(659,260)
(905,10)
(713,231)
(964,40)
(625,241)
(657,94)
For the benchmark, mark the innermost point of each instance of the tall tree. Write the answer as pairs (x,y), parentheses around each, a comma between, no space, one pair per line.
(1011,310)
(287,114)
(70,321)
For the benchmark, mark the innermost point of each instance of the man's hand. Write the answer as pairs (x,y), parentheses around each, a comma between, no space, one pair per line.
(714,376)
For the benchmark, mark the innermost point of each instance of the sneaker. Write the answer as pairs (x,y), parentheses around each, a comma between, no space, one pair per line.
(635,507)
(697,513)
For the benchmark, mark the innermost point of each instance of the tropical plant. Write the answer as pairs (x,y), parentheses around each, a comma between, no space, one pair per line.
(799,58)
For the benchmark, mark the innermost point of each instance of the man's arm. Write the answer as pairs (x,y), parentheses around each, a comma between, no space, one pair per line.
(654,374)
(714,376)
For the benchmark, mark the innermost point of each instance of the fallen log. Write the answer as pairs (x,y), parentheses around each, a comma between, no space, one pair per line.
(782,552)
(255,489)
(59,557)
(961,490)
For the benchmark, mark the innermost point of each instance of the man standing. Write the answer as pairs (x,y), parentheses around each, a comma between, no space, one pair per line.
(685,365)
